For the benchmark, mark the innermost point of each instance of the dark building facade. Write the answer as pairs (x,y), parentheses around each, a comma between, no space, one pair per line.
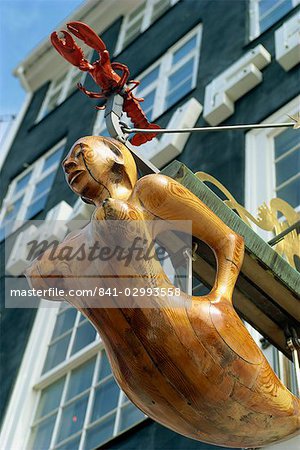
(228,57)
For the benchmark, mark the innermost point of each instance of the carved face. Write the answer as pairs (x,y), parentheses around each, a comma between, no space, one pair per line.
(97,168)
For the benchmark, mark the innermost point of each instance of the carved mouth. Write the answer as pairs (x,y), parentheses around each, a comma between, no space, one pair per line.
(72,176)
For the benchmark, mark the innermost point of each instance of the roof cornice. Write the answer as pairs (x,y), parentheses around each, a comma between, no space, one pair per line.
(43,63)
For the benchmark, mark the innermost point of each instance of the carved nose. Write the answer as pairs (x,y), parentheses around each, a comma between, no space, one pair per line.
(68,165)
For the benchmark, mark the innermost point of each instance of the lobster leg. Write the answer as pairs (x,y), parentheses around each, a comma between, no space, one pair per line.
(135,83)
(138,99)
(124,69)
(89,93)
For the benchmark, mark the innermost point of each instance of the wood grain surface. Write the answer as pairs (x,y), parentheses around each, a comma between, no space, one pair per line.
(187,362)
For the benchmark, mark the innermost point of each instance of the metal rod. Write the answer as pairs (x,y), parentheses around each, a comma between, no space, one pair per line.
(189,268)
(280,236)
(200,129)
(294,352)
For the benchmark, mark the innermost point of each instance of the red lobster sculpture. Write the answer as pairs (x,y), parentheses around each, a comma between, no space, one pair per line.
(103,72)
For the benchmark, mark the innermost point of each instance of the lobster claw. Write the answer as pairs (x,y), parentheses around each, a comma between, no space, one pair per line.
(67,48)
(87,35)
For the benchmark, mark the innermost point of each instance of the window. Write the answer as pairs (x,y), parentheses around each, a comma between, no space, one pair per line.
(287,166)
(264,13)
(172,77)
(273,162)
(79,404)
(72,332)
(60,89)
(168,80)
(82,406)
(140,18)
(27,194)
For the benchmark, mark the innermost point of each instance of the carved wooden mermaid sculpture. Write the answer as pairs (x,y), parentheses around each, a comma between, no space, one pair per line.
(187,362)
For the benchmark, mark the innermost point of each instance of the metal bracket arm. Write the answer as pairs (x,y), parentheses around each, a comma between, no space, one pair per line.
(113,115)
(293,343)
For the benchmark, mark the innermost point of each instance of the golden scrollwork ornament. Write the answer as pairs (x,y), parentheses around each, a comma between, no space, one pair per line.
(276,218)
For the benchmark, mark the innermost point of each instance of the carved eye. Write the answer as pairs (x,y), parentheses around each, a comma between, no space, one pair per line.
(78,150)
(114,149)
(78,153)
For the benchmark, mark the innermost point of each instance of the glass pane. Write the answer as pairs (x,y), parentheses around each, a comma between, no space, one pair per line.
(288,167)
(64,305)
(3,233)
(159,8)
(40,194)
(36,207)
(12,210)
(73,82)
(73,444)
(125,399)
(72,418)
(136,11)
(200,289)
(43,185)
(81,379)
(286,141)
(104,132)
(81,318)
(130,415)
(272,11)
(148,103)
(133,31)
(176,95)
(42,434)
(183,73)
(291,193)
(57,352)
(52,102)
(53,159)
(22,182)
(184,50)
(105,369)
(100,433)
(149,78)
(106,398)
(85,334)
(59,80)
(64,322)
(50,398)
(266,5)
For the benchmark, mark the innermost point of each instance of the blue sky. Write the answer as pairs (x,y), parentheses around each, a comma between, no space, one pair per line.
(23,25)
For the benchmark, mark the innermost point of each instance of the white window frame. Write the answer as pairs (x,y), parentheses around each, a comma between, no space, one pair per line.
(160,84)
(16,429)
(166,69)
(260,177)
(37,175)
(254,19)
(260,187)
(64,87)
(146,15)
